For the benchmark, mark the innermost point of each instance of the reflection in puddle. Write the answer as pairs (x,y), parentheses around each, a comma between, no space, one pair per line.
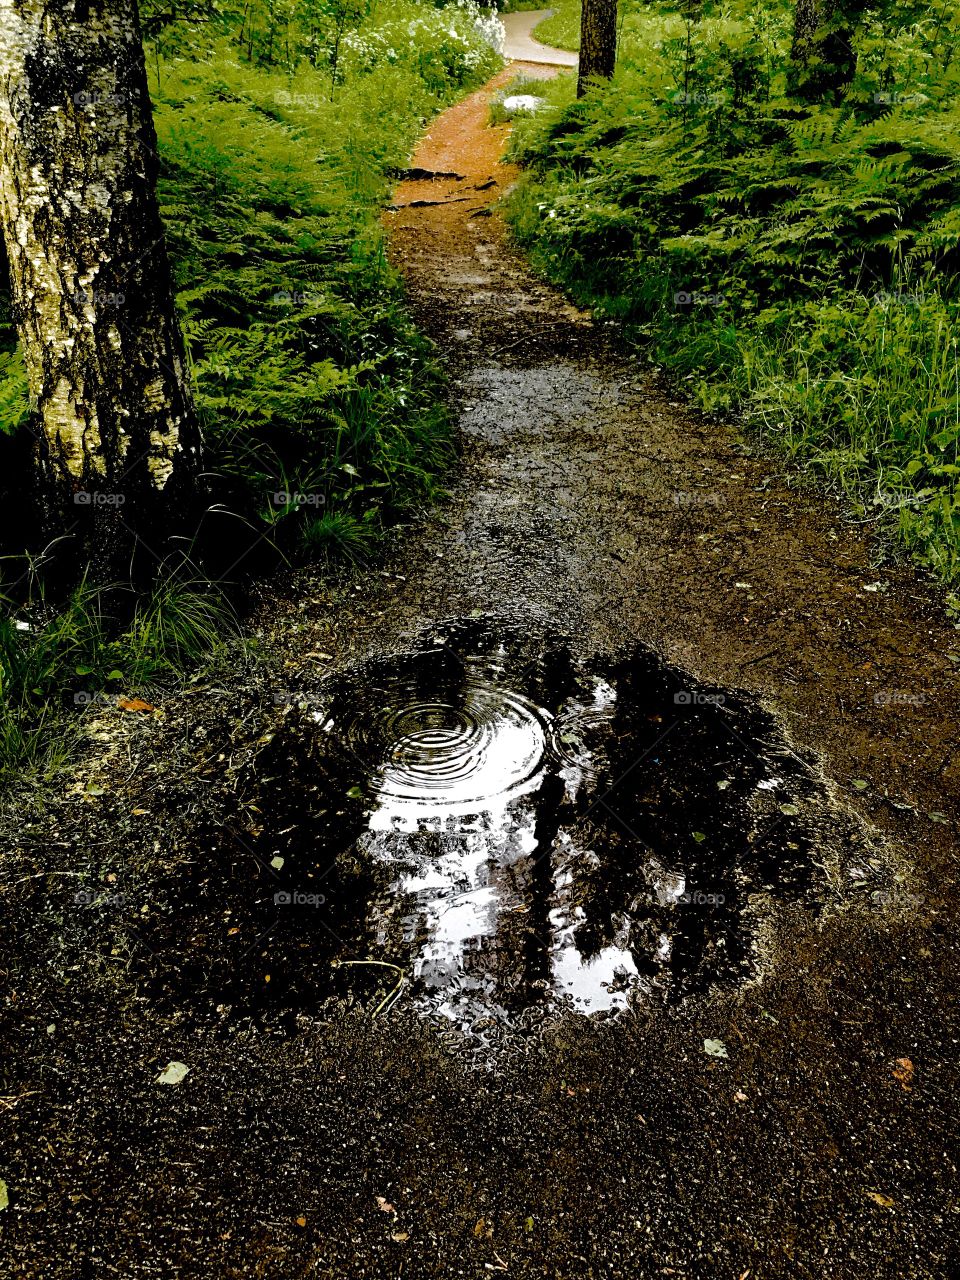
(466,789)
(550,837)
(444,760)
(511,831)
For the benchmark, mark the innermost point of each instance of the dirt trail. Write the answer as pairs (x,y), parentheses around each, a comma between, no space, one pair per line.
(590,502)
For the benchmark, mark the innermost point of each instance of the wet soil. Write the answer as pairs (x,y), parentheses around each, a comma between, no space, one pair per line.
(627,662)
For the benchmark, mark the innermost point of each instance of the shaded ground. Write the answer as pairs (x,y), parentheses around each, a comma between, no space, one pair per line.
(312,1139)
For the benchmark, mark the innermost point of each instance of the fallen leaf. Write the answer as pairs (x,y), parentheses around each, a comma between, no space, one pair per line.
(301,1222)
(878,1198)
(384,1205)
(715,1049)
(860,784)
(791,810)
(400,1236)
(134,704)
(902,1071)
(172,1073)
(4,1195)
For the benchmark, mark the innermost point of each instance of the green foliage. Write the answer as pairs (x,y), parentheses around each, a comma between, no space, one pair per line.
(14,401)
(85,656)
(310,378)
(794,261)
(561,29)
(279,130)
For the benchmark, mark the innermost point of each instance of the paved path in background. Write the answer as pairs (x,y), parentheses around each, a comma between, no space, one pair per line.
(521,47)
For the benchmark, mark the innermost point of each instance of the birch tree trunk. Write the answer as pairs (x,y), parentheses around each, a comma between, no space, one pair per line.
(598,42)
(118,448)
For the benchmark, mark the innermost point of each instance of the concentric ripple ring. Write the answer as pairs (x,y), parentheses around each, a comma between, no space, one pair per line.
(443,756)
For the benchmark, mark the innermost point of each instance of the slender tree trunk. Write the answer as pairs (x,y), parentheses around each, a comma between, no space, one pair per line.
(118,448)
(806,20)
(823,60)
(598,42)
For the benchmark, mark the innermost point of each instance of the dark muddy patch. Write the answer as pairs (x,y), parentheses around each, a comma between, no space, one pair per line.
(488,831)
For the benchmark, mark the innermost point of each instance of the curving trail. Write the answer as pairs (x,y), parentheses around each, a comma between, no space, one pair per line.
(522,46)
(320,1141)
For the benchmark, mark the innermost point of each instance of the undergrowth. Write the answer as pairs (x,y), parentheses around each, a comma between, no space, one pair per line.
(281,131)
(793,261)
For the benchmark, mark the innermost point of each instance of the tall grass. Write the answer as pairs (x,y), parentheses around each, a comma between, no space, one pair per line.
(93,655)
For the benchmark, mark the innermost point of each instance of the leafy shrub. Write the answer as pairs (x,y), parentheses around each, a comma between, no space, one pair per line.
(792,260)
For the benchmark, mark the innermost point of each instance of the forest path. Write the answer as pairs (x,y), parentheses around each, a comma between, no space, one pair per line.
(792,1122)
(590,495)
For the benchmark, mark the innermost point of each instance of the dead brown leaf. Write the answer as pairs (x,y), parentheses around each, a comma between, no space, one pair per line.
(134,704)
(902,1070)
(879,1198)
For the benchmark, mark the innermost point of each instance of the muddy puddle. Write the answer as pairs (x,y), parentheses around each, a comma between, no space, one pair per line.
(484,830)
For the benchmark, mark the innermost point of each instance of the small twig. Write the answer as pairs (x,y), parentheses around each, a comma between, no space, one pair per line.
(10,1101)
(553,324)
(391,997)
(39,875)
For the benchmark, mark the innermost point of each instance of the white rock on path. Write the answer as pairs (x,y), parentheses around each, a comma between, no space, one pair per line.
(521,102)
